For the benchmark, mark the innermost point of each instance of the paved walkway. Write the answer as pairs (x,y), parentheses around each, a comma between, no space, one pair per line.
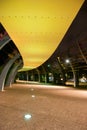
(50,107)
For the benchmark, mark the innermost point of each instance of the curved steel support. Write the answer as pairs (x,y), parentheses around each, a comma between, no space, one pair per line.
(12,74)
(4,41)
(15,73)
(5,71)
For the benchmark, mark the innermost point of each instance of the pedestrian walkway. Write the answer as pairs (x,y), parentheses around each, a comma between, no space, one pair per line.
(43,107)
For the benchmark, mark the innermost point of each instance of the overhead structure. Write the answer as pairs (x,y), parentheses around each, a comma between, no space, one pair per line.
(37,27)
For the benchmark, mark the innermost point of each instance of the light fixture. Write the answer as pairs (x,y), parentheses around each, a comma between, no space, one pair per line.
(67,61)
(33,96)
(32,89)
(27,116)
(48,65)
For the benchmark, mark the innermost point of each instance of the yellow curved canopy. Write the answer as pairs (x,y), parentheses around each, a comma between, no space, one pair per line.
(37,26)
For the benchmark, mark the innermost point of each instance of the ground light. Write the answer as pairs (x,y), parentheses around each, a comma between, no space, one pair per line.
(33,96)
(32,89)
(27,116)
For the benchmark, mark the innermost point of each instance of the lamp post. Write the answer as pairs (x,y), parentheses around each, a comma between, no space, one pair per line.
(75,74)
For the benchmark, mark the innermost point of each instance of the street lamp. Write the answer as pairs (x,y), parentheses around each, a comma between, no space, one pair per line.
(67,61)
(75,76)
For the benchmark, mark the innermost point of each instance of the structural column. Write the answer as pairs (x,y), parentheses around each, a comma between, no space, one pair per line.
(5,71)
(12,74)
(62,71)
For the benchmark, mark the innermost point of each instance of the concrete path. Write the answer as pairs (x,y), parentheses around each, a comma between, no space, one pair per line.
(50,108)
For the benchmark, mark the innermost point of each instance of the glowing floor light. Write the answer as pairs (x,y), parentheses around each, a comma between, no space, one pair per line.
(32,89)
(27,116)
(33,96)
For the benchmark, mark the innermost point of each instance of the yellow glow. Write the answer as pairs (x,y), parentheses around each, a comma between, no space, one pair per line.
(37,26)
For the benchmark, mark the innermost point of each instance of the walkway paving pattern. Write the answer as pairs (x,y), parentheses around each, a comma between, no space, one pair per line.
(50,107)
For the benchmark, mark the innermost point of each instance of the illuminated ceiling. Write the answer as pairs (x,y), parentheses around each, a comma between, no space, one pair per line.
(37,26)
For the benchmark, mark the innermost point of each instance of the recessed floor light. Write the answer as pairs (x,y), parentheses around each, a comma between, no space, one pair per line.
(27,116)
(33,96)
(32,89)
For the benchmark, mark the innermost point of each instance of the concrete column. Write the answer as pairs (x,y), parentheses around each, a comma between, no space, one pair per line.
(44,73)
(76,79)
(39,78)
(62,71)
(27,76)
